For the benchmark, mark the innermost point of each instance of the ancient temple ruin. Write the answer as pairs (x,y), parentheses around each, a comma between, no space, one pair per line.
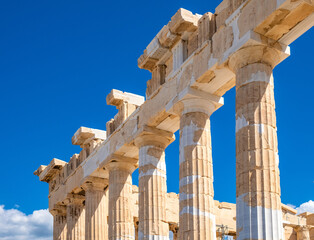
(194,60)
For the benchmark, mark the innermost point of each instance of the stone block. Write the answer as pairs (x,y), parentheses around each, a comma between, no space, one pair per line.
(146,62)
(81,135)
(206,28)
(116,98)
(47,173)
(283,20)
(155,50)
(182,21)
(192,43)
(158,79)
(225,9)
(166,38)
(126,103)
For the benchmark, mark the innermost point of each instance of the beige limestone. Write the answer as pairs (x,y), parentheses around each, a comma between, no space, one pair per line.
(310,222)
(225,214)
(96,209)
(197,219)
(126,103)
(258,188)
(303,232)
(182,21)
(75,217)
(59,222)
(158,79)
(200,58)
(121,225)
(152,184)
(85,135)
(47,173)
(88,139)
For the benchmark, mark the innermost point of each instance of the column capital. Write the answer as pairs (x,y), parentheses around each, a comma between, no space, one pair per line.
(74,199)
(153,136)
(115,164)
(95,184)
(194,100)
(301,228)
(271,55)
(58,210)
(197,105)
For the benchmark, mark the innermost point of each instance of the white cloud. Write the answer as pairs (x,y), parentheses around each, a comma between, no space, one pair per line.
(16,225)
(291,205)
(306,207)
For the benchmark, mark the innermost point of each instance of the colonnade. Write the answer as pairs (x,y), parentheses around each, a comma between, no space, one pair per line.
(258,188)
(104,214)
(194,60)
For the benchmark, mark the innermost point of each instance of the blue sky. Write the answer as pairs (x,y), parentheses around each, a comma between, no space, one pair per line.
(59,60)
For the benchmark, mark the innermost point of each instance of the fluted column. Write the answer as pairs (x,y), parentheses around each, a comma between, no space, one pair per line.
(121,225)
(96,208)
(197,219)
(75,217)
(303,232)
(153,184)
(259,213)
(59,223)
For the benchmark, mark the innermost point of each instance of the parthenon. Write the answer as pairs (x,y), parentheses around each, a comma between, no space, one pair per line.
(194,60)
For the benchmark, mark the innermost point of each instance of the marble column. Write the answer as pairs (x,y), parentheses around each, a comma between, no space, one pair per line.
(303,232)
(197,217)
(75,217)
(96,208)
(259,213)
(153,184)
(121,225)
(59,223)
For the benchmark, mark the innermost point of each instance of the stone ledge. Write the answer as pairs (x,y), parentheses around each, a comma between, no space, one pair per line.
(46,173)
